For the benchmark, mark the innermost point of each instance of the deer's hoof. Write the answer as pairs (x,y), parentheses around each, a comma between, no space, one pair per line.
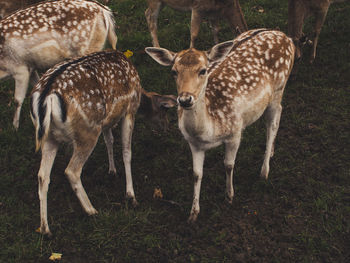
(193,217)
(92,212)
(229,198)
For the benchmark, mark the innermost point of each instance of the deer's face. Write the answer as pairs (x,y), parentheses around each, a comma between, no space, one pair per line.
(190,69)
(190,73)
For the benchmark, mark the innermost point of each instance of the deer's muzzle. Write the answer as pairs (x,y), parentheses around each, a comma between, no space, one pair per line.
(185,100)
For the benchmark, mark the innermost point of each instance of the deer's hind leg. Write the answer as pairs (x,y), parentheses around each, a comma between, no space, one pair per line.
(196,20)
(109,140)
(48,154)
(151,14)
(81,152)
(319,20)
(272,115)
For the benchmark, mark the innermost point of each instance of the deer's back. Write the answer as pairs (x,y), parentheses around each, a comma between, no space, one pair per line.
(46,33)
(248,78)
(99,88)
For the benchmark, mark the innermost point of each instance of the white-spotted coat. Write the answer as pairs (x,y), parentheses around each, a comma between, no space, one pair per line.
(222,91)
(44,34)
(75,102)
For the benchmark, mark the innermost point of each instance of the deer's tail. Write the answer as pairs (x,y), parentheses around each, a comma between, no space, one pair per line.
(43,108)
(110,25)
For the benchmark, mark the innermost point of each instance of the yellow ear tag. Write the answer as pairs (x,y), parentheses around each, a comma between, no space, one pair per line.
(55,256)
(128,53)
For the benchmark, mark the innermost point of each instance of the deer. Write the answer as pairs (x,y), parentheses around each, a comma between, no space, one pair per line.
(224,90)
(213,10)
(9,6)
(298,11)
(77,100)
(42,35)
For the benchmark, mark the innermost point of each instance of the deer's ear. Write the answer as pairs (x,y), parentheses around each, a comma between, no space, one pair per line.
(219,51)
(161,55)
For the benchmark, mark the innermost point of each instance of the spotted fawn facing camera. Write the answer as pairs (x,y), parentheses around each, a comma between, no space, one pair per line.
(222,91)
(47,33)
(75,102)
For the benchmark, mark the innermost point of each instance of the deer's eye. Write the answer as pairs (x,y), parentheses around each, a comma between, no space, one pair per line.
(174,73)
(202,72)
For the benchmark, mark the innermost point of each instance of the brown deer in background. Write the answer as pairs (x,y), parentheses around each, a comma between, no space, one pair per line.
(9,6)
(75,102)
(214,10)
(298,11)
(44,34)
(222,91)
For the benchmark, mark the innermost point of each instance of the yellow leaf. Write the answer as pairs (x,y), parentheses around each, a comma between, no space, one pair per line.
(38,230)
(128,53)
(157,193)
(55,256)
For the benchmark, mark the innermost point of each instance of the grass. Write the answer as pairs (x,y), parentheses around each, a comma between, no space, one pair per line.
(301,214)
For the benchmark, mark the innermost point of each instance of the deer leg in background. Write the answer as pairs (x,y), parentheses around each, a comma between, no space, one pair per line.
(108,137)
(235,18)
(319,20)
(151,14)
(215,30)
(296,16)
(196,20)
(22,79)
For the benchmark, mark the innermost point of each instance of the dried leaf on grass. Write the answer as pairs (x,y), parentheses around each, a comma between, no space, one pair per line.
(157,194)
(55,256)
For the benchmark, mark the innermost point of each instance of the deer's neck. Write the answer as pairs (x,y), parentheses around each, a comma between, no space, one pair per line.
(195,123)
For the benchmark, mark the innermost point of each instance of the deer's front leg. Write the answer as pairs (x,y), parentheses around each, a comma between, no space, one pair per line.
(151,15)
(231,148)
(108,137)
(196,20)
(320,18)
(127,128)
(215,30)
(198,160)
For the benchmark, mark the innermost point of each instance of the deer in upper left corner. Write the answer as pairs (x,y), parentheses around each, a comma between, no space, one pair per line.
(38,37)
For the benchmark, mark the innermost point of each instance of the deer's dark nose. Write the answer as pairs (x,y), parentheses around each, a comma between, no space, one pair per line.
(185,100)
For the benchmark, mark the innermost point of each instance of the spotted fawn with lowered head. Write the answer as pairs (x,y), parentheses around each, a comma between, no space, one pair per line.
(75,102)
